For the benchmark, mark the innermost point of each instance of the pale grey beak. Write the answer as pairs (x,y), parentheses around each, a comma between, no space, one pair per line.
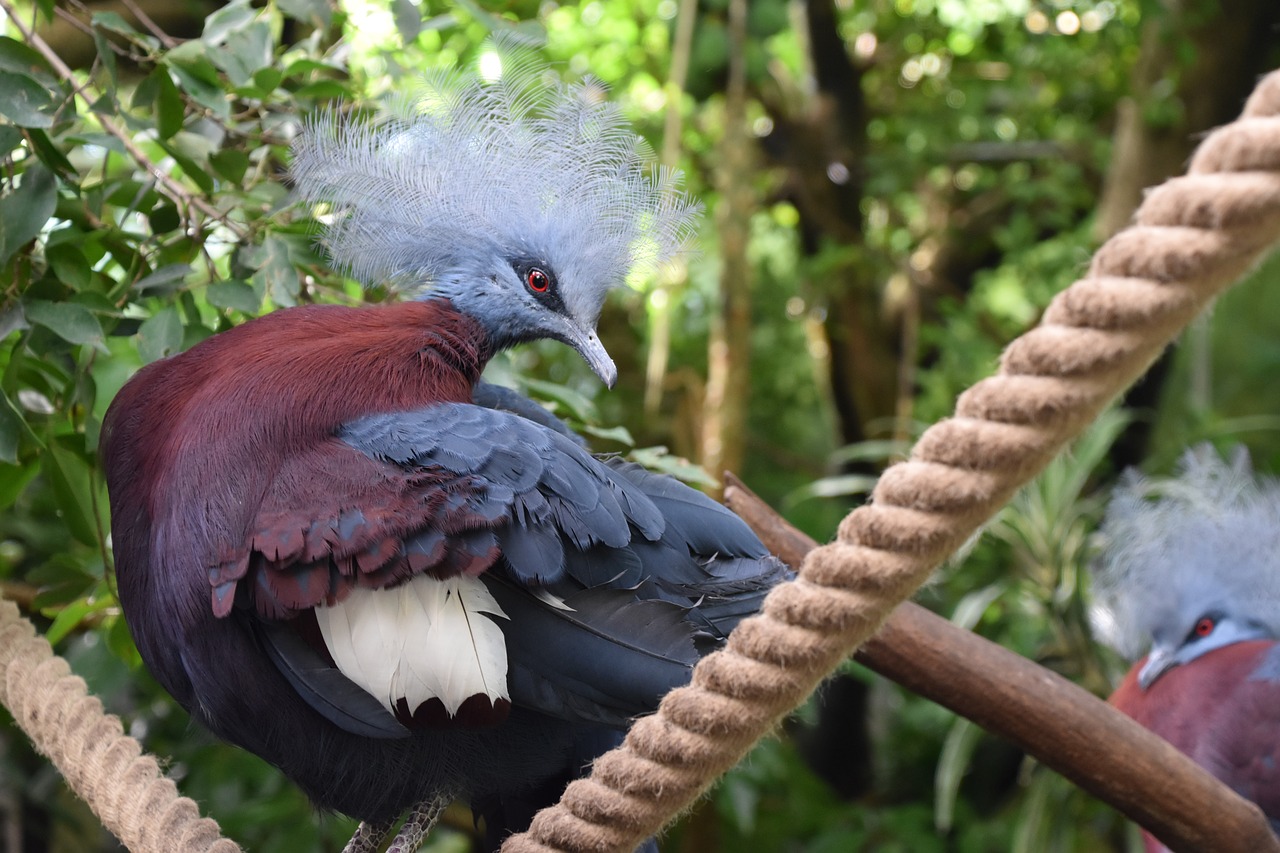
(588,345)
(1159,661)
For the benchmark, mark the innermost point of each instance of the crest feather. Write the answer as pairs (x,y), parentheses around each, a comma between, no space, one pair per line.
(1175,548)
(521,164)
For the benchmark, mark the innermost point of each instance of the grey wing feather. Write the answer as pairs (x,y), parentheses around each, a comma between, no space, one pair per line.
(549,488)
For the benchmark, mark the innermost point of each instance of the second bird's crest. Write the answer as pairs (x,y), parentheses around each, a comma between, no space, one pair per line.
(1182,545)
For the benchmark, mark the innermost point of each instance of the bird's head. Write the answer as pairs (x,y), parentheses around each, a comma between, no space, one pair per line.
(1189,564)
(519,297)
(1179,643)
(521,199)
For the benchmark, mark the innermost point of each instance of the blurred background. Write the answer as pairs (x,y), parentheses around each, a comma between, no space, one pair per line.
(894,189)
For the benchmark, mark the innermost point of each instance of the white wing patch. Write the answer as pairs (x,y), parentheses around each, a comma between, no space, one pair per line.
(424,639)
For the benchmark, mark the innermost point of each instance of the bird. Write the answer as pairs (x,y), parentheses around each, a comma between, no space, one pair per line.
(341,549)
(1189,566)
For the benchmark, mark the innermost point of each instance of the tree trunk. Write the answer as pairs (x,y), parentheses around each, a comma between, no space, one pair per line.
(822,144)
(1174,101)
(729,347)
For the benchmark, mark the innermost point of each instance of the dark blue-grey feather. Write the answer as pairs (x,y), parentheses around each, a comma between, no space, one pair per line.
(536,475)
(602,657)
(339,699)
(500,397)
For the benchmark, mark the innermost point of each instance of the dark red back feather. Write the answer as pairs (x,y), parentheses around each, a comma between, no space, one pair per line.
(209,453)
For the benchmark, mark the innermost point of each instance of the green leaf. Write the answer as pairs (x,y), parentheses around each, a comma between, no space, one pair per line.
(315,12)
(107,56)
(968,612)
(120,642)
(24,211)
(113,22)
(69,321)
(70,617)
(13,428)
(230,164)
(232,17)
(160,335)
(874,450)
(957,752)
(303,67)
(24,101)
(14,480)
(189,166)
(658,459)
(69,264)
(267,79)
(235,295)
(163,279)
(23,59)
(10,138)
(243,52)
(52,157)
(276,276)
(840,486)
(198,77)
(61,570)
(144,94)
(620,434)
(10,429)
(408,17)
(70,476)
(579,406)
(170,109)
(323,90)
(164,217)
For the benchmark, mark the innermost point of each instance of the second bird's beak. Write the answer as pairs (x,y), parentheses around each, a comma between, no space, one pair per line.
(588,345)
(1159,661)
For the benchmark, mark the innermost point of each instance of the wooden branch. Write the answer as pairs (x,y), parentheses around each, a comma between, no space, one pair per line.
(1054,720)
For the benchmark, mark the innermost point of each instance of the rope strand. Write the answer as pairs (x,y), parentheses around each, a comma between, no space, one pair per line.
(103,765)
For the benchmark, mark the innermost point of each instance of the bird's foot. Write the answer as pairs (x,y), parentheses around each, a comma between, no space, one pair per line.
(422,817)
(368,837)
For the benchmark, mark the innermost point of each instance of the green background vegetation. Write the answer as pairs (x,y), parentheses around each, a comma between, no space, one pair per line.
(895,189)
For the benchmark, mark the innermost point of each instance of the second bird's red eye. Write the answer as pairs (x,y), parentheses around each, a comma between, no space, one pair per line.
(1204,627)
(538,281)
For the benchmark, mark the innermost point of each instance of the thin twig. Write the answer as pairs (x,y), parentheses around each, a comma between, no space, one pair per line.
(87,29)
(143,18)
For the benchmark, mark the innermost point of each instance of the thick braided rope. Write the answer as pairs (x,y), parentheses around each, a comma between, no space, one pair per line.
(1193,236)
(103,765)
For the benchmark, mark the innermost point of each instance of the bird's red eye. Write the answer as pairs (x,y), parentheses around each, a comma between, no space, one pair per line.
(538,281)
(1204,627)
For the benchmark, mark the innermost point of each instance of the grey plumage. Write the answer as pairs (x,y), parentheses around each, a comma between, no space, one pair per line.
(1175,549)
(522,165)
